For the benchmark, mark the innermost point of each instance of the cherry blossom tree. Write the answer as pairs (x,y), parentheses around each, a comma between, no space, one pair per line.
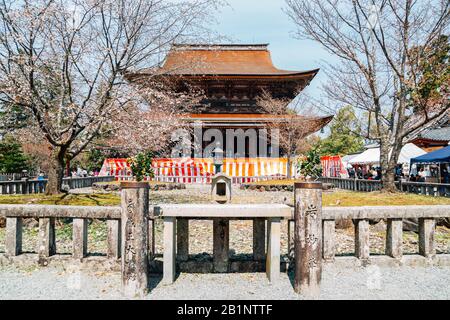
(294,122)
(63,62)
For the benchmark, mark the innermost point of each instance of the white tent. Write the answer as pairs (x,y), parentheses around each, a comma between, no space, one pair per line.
(410,151)
(372,155)
(347,158)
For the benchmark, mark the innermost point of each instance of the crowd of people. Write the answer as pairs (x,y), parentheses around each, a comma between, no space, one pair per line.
(371,174)
(422,174)
(83,173)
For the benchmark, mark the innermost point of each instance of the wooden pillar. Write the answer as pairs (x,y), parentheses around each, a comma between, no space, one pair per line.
(80,238)
(273,249)
(114,239)
(13,236)
(362,234)
(394,238)
(308,238)
(182,239)
(221,244)
(169,267)
(47,243)
(329,239)
(259,239)
(426,237)
(134,204)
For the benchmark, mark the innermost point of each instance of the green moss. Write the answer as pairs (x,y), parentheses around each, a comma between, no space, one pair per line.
(97,199)
(356,199)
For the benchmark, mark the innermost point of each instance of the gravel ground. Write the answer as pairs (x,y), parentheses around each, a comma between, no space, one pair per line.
(403,283)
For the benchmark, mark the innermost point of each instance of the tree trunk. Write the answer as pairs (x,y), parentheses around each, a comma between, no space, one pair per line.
(55,172)
(388,160)
(388,181)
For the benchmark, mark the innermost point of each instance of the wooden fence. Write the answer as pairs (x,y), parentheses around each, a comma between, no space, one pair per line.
(15,176)
(38,186)
(424,188)
(203,179)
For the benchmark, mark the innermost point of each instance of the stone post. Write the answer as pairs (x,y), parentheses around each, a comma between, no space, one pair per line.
(134,204)
(221,244)
(427,227)
(114,239)
(273,249)
(47,243)
(79,237)
(362,237)
(329,239)
(182,239)
(13,236)
(259,239)
(308,238)
(151,235)
(394,238)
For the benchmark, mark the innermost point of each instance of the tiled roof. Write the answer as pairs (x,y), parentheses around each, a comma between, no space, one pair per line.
(440,134)
(221,60)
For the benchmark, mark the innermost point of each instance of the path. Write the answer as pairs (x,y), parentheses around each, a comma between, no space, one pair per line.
(338,283)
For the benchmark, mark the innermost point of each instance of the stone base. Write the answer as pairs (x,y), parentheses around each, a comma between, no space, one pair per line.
(413,260)
(89,263)
(205,264)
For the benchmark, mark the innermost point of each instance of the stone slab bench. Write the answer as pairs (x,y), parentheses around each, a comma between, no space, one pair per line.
(174,215)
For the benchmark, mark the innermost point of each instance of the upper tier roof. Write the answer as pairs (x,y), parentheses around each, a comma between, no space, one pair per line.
(224,60)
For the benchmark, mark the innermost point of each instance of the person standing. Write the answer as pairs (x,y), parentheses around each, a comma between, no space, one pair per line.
(421,175)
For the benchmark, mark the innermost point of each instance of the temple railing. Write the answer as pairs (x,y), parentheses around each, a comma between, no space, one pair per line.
(394,216)
(47,214)
(138,238)
(38,186)
(15,176)
(423,188)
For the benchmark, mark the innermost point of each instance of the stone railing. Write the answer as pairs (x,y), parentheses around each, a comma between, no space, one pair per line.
(38,186)
(131,233)
(353,184)
(424,188)
(47,214)
(394,216)
(133,220)
(15,176)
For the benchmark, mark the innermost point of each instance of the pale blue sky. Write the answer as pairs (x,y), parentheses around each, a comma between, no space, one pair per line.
(263,21)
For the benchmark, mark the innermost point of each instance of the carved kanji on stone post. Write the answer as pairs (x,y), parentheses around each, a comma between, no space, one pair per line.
(134,203)
(308,238)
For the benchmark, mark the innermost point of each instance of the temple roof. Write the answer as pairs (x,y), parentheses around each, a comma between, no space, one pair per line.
(245,60)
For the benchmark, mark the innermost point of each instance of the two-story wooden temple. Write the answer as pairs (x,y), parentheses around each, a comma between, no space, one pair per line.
(232,76)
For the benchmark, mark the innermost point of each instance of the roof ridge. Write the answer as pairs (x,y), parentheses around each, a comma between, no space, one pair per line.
(229,46)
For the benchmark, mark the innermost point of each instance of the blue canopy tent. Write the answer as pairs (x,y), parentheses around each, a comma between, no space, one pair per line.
(439,156)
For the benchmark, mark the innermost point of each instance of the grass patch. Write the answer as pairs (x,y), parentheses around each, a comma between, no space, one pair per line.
(358,199)
(330,199)
(96,199)
(284,182)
